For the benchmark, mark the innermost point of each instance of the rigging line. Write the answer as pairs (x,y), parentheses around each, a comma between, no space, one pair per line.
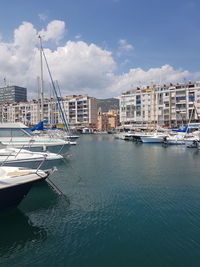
(80,178)
(54,88)
(41,163)
(31,142)
(67,163)
(54,97)
(59,105)
(2,164)
(57,189)
(60,94)
(66,119)
(59,152)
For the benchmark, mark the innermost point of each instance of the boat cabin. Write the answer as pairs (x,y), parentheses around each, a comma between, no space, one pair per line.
(14,130)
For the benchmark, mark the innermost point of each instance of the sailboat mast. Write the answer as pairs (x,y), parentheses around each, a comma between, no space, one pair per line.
(41,81)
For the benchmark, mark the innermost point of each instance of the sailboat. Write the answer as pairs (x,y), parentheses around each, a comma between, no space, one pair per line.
(66,134)
(183,136)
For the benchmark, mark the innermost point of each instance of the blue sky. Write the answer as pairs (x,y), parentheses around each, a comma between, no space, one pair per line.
(145,38)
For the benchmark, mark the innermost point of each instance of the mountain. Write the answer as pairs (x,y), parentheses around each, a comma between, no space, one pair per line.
(108,104)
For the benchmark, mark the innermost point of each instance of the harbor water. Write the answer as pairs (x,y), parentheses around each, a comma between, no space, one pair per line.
(125,204)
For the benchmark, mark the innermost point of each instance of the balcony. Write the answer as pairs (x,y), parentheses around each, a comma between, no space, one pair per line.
(166,117)
(148,90)
(191,98)
(166,99)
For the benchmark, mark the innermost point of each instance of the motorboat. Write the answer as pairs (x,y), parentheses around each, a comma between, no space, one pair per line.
(16,182)
(18,135)
(137,136)
(11,156)
(128,136)
(87,130)
(154,138)
(61,134)
(194,144)
(181,139)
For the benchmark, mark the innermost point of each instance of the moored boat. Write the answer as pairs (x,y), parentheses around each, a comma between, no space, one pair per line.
(10,156)
(15,183)
(181,139)
(155,138)
(18,135)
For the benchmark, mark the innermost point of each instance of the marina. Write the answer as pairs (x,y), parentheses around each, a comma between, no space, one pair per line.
(100,134)
(123,204)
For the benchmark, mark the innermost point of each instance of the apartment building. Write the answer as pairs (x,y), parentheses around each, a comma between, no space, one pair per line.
(168,105)
(80,111)
(11,94)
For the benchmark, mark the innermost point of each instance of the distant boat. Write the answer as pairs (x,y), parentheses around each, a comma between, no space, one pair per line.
(194,144)
(181,138)
(15,183)
(87,130)
(155,138)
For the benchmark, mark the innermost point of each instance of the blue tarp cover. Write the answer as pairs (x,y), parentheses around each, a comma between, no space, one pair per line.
(183,130)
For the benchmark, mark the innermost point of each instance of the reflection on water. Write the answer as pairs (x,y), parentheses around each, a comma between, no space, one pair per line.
(41,197)
(19,233)
(104,137)
(130,205)
(27,227)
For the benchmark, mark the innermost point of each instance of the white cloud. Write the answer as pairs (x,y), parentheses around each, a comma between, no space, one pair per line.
(55,31)
(80,68)
(42,16)
(139,77)
(78,36)
(124,47)
(25,37)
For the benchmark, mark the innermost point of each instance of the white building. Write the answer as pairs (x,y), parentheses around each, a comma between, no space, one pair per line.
(80,111)
(168,105)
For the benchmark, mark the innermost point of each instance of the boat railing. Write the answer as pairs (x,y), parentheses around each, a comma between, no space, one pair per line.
(5,160)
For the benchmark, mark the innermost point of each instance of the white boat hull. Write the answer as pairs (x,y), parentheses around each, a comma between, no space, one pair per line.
(24,158)
(37,143)
(15,183)
(175,142)
(150,139)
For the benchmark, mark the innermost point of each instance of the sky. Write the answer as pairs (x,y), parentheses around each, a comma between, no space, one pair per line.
(99,47)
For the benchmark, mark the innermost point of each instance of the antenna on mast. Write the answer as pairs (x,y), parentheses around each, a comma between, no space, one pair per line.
(5,82)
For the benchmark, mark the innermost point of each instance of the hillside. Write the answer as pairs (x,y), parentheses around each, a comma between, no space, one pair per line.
(108,104)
